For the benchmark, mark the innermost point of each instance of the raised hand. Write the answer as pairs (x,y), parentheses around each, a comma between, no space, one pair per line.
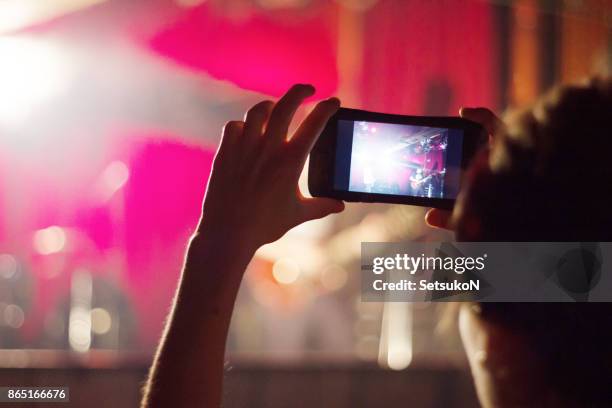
(436,217)
(253,191)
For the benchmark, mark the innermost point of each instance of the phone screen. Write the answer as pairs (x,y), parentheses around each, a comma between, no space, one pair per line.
(398,159)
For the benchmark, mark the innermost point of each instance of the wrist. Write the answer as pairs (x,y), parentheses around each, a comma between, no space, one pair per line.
(225,236)
(216,260)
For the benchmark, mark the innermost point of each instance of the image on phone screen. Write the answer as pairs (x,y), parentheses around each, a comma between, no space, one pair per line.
(398,159)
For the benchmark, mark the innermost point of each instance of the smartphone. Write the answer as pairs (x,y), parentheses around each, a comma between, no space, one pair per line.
(376,157)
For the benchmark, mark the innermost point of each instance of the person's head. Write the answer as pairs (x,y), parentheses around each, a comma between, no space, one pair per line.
(546,177)
(550,168)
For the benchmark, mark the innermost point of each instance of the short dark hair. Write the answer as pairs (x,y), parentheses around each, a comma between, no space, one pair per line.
(548,176)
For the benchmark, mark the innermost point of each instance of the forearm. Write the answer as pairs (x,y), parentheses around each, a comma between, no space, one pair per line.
(188,367)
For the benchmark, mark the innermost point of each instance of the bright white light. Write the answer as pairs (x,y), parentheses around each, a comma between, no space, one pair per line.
(31,72)
(384,166)
(79,329)
(285,271)
(16,14)
(79,321)
(49,240)
(100,320)
(396,339)
(399,357)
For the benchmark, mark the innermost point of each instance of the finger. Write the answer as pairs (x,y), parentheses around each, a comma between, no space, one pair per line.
(438,218)
(484,117)
(310,129)
(231,132)
(256,118)
(285,108)
(315,208)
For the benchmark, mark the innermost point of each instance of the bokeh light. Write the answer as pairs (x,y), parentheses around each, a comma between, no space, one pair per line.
(286,271)
(49,240)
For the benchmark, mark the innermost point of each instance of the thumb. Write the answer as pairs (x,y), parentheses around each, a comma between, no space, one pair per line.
(314,208)
(438,218)
(483,116)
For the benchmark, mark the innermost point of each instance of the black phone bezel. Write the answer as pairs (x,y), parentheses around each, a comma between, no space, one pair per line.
(321,166)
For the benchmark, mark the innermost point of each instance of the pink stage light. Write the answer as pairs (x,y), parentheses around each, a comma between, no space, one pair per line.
(136,198)
(258,53)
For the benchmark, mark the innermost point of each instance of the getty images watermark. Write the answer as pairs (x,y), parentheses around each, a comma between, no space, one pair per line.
(487,271)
